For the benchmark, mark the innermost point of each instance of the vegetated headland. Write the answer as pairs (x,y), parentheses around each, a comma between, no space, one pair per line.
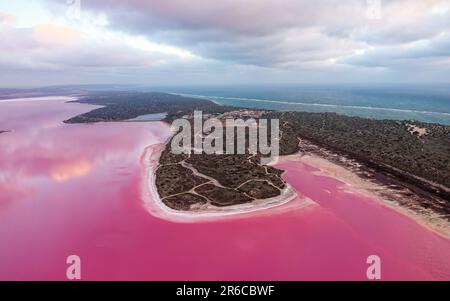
(410,159)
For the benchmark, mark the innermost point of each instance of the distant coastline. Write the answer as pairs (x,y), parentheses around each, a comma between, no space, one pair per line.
(423,107)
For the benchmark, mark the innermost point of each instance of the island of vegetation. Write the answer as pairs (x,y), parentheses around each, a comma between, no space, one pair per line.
(410,158)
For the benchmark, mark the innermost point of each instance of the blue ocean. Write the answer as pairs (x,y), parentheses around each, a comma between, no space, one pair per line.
(400,102)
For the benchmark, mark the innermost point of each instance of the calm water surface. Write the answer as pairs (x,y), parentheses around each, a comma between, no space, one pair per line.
(76,189)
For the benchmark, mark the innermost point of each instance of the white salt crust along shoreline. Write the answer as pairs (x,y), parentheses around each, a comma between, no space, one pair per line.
(355,184)
(153,204)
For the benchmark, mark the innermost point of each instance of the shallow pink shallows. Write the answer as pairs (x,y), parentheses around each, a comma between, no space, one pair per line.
(75,189)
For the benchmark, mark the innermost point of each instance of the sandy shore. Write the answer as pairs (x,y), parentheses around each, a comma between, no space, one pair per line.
(356,184)
(154,205)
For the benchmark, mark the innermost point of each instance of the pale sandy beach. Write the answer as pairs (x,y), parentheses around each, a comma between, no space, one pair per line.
(154,205)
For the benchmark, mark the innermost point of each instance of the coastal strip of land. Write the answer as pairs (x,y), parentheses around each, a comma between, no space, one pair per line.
(408,160)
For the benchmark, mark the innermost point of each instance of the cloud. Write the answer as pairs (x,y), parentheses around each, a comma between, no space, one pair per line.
(57,47)
(232,39)
(276,33)
(57,35)
(428,51)
(261,32)
(7,19)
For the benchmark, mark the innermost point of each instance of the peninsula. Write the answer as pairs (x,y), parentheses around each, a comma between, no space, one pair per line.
(410,159)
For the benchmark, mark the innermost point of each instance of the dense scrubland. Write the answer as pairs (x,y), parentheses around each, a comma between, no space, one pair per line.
(118,106)
(409,149)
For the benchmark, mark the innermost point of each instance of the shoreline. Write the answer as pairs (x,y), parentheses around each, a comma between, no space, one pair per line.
(354,179)
(153,204)
(354,183)
(198,97)
(107,221)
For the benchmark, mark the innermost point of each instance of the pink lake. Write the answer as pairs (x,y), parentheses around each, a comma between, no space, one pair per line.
(76,189)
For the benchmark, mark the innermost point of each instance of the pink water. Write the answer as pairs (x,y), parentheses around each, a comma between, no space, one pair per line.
(76,189)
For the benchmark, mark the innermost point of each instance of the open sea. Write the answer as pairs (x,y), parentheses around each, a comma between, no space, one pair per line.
(401,102)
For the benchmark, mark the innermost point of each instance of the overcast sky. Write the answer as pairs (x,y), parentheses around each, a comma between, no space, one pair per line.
(178,42)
